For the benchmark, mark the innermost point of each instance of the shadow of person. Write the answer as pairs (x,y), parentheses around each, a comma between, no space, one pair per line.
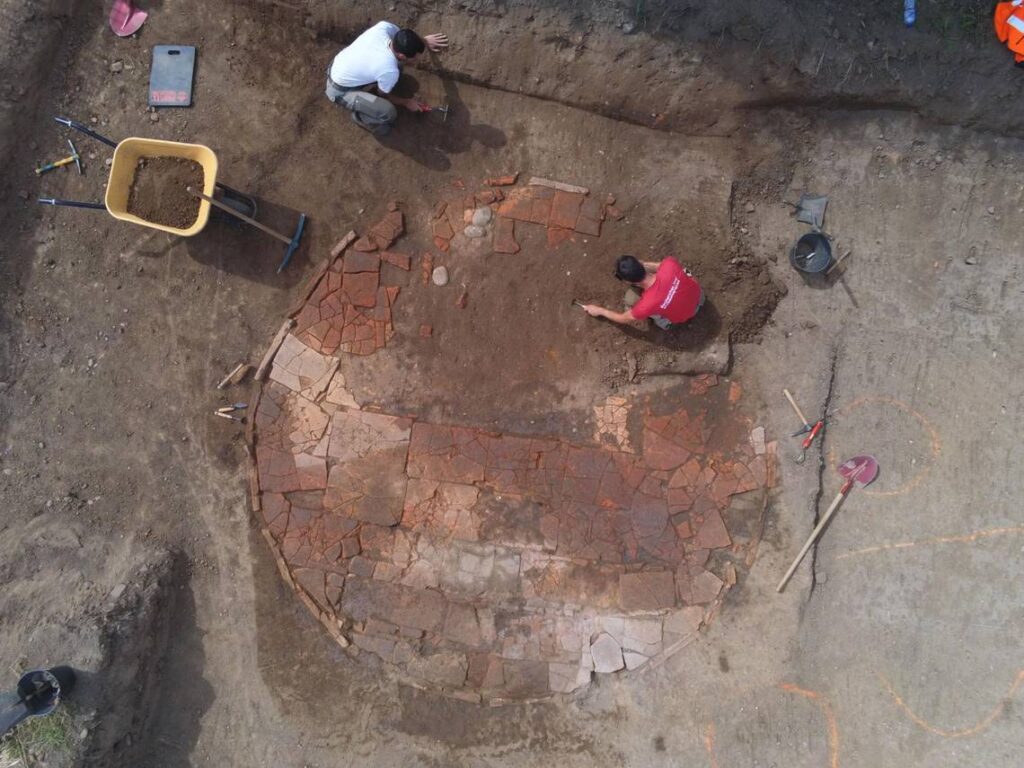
(692,336)
(236,247)
(430,137)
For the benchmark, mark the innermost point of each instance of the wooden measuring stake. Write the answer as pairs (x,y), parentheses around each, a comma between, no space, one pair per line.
(242,216)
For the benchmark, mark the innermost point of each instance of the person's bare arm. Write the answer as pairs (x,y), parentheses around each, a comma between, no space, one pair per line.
(413,105)
(651,266)
(623,318)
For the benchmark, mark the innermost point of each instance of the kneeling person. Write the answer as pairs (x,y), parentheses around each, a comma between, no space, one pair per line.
(373,62)
(663,291)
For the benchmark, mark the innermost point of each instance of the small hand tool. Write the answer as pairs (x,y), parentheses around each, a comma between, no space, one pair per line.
(443,110)
(74,157)
(860,471)
(807,425)
(233,407)
(808,440)
(223,415)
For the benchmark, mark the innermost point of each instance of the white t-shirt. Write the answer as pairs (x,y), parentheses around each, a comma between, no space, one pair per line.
(368,60)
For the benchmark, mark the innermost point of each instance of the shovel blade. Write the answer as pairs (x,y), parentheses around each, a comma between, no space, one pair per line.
(125,18)
(861,469)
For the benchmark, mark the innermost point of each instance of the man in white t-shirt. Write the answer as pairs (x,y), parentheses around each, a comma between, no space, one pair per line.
(363,75)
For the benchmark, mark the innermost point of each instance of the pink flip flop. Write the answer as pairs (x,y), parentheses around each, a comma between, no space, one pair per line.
(125,18)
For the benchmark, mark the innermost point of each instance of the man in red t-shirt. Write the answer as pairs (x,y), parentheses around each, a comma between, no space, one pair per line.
(663,291)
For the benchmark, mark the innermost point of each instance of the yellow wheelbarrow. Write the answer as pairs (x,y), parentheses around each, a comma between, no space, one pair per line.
(214,195)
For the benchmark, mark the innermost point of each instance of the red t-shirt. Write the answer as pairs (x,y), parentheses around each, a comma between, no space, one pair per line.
(674,295)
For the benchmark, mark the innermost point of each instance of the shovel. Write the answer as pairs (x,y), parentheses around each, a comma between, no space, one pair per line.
(125,18)
(860,471)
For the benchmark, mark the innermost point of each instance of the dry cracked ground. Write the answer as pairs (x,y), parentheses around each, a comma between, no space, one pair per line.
(466,525)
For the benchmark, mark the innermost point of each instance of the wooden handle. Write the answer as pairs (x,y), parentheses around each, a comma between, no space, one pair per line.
(242,216)
(796,408)
(813,537)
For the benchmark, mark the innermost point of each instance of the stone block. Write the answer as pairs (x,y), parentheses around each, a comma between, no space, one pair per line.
(607,654)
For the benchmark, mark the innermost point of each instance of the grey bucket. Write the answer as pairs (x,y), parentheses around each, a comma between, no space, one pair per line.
(811,254)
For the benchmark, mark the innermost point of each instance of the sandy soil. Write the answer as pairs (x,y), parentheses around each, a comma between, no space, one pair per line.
(127,549)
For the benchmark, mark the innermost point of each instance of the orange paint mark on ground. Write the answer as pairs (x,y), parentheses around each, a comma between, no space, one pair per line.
(935,442)
(966,732)
(709,743)
(830,719)
(965,539)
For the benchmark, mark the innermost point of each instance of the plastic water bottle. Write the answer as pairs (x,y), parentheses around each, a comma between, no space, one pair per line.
(909,12)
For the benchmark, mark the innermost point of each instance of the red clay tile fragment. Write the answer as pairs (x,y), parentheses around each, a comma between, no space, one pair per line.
(392,205)
(458,183)
(427,267)
(426,331)
(442,245)
(587,226)
(517,205)
(443,230)
(505,236)
(735,391)
(540,210)
(502,181)
(358,261)
(365,245)
(361,288)
(565,209)
(439,209)
(557,236)
(400,260)
(489,196)
(613,213)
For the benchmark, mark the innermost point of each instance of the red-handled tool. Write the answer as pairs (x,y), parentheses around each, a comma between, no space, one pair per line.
(808,440)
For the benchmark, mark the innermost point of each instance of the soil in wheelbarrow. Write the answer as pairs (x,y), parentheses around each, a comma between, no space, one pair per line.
(159,191)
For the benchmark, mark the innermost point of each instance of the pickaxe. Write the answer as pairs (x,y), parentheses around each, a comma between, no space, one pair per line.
(74,158)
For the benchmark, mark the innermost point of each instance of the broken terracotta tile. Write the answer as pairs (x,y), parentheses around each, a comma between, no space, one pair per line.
(565,209)
(647,591)
(361,288)
(502,181)
(517,205)
(400,260)
(505,236)
(426,331)
(557,236)
(364,245)
(443,230)
(488,196)
(712,534)
(360,262)
(442,244)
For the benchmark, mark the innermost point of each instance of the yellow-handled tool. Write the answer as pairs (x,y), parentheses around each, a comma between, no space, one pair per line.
(73,158)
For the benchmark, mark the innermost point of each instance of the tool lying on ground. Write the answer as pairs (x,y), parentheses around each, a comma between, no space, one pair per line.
(811,210)
(233,407)
(860,471)
(292,242)
(74,157)
(223,415)
(125,18)
(807,428)
(37,694)
(216,195)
